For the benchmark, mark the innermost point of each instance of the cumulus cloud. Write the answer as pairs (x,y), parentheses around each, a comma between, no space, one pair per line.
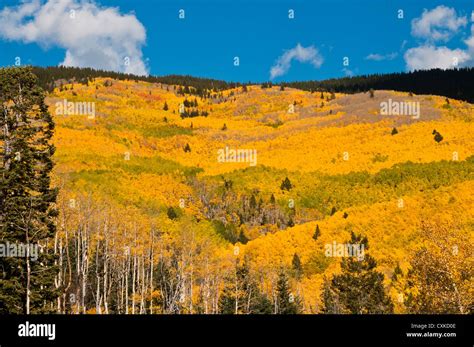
(380,57)
(438,24)
(93,36)
(430,57)
(470,42)
(302,54)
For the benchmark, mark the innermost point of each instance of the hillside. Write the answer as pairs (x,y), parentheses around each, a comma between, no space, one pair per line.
(453,83)
(139,173)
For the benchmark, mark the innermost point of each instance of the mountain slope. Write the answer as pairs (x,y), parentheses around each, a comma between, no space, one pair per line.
(143,161)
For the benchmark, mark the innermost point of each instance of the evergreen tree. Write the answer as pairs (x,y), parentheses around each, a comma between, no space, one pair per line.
(27,214)
(242,238)
(286,184)
(287,303)
(394,131)
(165,107)
(317,233)
(297,266)
(359,288)
(171,213)
(187,148)
(272,199)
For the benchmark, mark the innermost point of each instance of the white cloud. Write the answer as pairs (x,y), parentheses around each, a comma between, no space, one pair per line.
(93,36)
(438,24)
(470,42)
(430,57)
(380,57)
(302,54)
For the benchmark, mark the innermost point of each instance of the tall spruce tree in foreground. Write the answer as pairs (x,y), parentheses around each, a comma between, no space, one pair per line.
(26,199)
(287,302)
(359,288)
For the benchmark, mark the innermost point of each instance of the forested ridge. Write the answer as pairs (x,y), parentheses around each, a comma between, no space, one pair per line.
(49,76)
(452,83)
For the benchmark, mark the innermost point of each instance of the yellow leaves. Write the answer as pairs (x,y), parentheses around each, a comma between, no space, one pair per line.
(314,138)
(164,187)
(309,138)
(393,233)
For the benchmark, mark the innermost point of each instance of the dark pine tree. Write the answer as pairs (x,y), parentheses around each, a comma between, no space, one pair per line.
(27,213)
(272,199)
(359,288)
(242,238)
(286,184)
(297,266)
(394,131)
(317,233)
(171,213)
(287,303)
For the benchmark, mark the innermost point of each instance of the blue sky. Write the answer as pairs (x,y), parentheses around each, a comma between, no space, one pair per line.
(259,32)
